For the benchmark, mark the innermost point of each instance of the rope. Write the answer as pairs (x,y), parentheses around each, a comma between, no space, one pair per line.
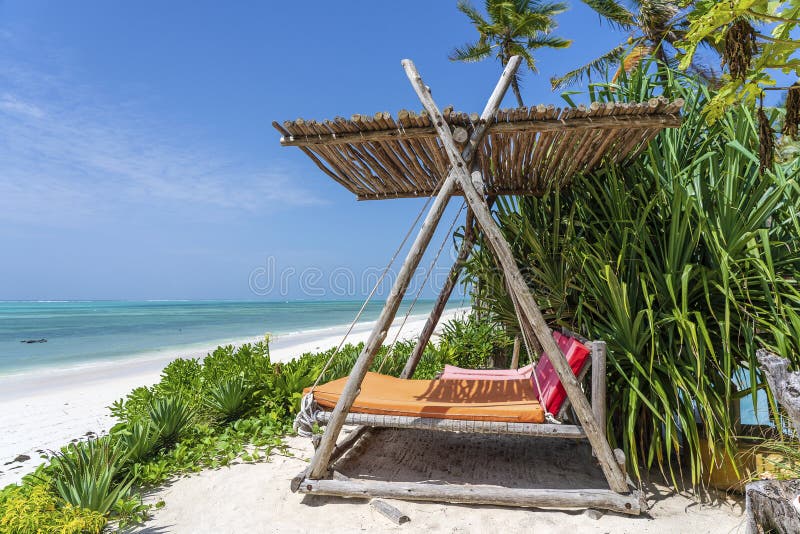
(422,285)
(372,293)
(375,287)
(305,419)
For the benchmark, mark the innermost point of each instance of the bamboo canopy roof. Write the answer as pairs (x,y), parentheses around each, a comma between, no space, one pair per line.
(525,152)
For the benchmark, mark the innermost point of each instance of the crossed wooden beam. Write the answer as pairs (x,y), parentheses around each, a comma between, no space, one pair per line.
(471,183)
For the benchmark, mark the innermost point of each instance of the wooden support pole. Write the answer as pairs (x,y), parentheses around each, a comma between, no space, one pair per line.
(519,288)
(477,494)
(599,384)
(515,354)
(319,464)
(444,296)
(341,448)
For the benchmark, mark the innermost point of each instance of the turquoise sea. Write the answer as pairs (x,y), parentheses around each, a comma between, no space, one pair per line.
(79,333)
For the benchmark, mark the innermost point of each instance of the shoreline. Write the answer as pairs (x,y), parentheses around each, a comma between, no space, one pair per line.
(42,411)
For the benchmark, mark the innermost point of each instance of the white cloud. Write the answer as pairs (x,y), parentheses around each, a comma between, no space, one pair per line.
(12,104)
(66,156)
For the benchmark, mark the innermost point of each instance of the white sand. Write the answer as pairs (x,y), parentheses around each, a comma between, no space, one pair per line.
(256,498)
(46,410)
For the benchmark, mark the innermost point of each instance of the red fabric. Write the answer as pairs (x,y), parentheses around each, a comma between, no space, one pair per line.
(553,394)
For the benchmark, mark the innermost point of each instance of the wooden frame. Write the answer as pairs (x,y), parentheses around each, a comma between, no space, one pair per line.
(462,178)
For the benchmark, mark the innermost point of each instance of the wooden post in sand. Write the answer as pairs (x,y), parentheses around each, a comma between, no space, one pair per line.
(319,464)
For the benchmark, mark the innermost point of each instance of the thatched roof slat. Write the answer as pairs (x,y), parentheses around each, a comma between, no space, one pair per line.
(527,150)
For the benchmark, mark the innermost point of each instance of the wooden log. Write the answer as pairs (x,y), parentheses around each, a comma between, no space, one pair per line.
(515,353)
(785,385)
(546,430)
(531,312)
(599,405)
(477,494)
(320,462)
(769,507)
(389,512)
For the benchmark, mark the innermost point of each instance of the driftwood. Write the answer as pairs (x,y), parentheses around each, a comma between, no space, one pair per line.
(769,508)
(770,504)
(389,512)
(477,494)
(785,385)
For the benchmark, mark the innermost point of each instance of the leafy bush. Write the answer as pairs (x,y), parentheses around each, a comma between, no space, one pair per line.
(139,439)
(474,343)
(229,400)
(35,510)
(684,261)
(87,475)
(235,405)
(170,416)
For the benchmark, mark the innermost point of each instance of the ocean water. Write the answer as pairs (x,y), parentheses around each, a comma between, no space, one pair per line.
(79,333)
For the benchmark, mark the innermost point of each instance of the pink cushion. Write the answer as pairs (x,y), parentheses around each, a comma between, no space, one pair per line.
(451,372)
(553,394)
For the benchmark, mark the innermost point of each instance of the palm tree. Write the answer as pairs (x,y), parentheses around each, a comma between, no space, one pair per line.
(652,25)
(514,28)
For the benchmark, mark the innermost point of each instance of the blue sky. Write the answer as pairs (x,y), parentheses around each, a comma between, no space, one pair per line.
(137,156)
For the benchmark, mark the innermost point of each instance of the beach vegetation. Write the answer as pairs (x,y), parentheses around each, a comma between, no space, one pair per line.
(684,261)
(229,399)
(654,28)
(170,416)
(35,509)
(511,28)
(90,475)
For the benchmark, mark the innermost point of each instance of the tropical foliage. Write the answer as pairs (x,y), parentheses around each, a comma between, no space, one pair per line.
(685,260)
(513,28)
(767,45)
(653,26)
(233,406)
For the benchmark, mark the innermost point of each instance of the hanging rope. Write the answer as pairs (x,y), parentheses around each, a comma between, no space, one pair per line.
(422,285)
(372,293)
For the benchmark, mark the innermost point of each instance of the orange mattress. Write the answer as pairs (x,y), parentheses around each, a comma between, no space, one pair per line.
(483,400)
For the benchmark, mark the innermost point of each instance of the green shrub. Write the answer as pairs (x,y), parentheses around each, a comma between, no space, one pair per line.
(170,416)
(35,510)
(474,343)
(138,439)
(88,474)
(229,399)
(684,260)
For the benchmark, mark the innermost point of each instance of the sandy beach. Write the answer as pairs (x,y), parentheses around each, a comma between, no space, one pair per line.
(256,498)
(45,410)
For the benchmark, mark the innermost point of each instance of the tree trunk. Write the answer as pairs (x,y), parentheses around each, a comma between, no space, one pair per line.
(515,88)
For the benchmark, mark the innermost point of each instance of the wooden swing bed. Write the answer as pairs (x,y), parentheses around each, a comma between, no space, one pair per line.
(523,151)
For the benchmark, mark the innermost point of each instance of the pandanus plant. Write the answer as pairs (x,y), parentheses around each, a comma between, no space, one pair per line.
(685,261)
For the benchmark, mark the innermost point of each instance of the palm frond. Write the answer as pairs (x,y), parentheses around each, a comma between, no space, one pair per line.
(549,41)
(549,9)
(598,65)
(614,12)
(473,14)
(471,52)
